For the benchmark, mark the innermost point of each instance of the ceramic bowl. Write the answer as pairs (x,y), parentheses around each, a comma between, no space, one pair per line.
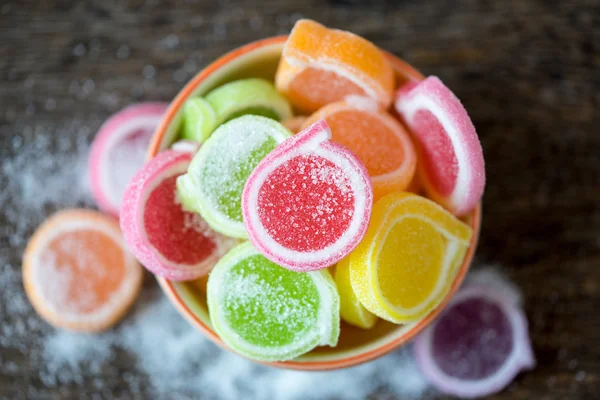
(260,59)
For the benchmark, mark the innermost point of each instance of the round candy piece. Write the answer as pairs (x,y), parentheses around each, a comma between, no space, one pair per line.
(405,264)
(477,346)
(450,157)
(248,96)
(168,241)
(199,120)
(321,66)
(351,310)
(307,204)
(215,179)
(78,273)
(268,313)
(377,138)
(119,151)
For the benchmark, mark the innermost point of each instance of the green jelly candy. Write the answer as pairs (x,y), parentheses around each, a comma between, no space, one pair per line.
(216,176)
(248,96)
(269,313)
(199,119)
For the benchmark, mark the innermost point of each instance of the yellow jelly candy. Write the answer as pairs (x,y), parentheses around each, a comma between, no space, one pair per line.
(351,310)
(406,262)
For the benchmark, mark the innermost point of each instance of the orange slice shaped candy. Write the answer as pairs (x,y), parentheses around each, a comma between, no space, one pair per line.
(320,66)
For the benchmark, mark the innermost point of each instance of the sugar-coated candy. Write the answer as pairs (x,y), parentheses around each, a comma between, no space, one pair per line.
(307,203)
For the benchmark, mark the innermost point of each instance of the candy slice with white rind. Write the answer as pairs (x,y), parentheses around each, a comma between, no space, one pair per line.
(477,346)
(268,313)
(450,158)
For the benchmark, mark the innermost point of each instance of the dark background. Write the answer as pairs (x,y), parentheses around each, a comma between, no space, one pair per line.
(527,71)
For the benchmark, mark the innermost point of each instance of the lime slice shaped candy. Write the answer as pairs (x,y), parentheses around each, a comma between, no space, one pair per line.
(215,180)
(268,313)
(199,120)
(248,96)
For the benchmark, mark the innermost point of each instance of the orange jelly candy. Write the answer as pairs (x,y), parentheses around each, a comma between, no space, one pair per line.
(320,66)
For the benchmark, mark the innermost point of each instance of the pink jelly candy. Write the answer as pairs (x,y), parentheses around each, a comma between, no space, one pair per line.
(450,157)
(167,240)
(307,204)
(477,346)
(119,151)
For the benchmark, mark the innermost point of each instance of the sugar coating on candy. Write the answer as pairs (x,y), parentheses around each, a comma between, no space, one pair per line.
(217,175)
(78,273)
(478,345)
(309,189)
(307,204)
(474,341)
(119,151)
(377,139)
(405,265)
(181,237)
(168,240)
(266,312)
(320,66)
(451,159)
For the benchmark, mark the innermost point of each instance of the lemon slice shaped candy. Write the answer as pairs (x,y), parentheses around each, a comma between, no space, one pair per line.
(351,310)
(407,261)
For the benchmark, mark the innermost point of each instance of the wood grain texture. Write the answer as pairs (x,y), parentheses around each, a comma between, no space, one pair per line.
(527,71)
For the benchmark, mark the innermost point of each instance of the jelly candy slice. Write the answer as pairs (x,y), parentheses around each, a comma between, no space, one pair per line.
(199,120)
(248,96)
(78,273)
(451,162)
(321,66)
(119,151)
(168,241)
(407,261)
(351,310)
(377,138)
(216,177)
(477,346)
(268,313)
(307,204)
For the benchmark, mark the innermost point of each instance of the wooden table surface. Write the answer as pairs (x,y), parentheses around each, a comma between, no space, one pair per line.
(527,71)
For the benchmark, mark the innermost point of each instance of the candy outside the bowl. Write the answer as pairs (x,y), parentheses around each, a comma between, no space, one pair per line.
(168,240)
(215,179)
(307,203)
(478,345)
(119,151)
(268,313)
(78,273)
